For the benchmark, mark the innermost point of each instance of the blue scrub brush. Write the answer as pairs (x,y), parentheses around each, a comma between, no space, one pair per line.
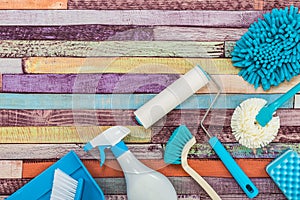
(176,152)
(269,52)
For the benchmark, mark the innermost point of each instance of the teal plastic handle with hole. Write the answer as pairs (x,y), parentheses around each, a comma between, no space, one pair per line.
(238,174)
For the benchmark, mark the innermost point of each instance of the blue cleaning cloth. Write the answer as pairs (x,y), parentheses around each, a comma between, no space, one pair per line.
(269,52)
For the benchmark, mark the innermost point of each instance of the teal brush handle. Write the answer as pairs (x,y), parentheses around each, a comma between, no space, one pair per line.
(265,115)
(238,174)
(283,98)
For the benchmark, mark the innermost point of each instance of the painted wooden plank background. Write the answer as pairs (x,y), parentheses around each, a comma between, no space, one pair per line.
(190,186)
(10,169)
(213,168)
(23,48)
(98,32)
(11,65)
(92,32)
(217,117)
(182,4)
(122,83)
(167,5)
(73,134)
(156,65)
(138,135)
(120,101)
(297,101)
(33,4)
(87,47)
(141,151)
(129,17)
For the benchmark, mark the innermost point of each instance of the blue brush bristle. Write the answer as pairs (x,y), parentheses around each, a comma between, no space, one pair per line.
(269,52)
(176,143)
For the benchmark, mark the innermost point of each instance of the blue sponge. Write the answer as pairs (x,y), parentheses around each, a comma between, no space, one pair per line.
(269,52)
(285,172)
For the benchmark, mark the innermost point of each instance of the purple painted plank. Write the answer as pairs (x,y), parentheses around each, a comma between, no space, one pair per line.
(77,33)
(87,83)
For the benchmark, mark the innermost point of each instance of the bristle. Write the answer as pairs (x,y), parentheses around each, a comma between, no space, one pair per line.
(64,186)
(245,128)
(271,45)
(175,145)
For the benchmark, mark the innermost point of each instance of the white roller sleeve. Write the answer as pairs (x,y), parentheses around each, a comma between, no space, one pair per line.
(171,97)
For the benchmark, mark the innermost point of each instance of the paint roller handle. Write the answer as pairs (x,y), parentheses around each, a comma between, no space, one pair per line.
(283,98)
(238,174)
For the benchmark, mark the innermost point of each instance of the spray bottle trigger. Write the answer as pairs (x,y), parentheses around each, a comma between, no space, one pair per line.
(102,153)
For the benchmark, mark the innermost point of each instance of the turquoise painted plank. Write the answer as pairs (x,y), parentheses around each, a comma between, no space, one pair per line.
(119,101)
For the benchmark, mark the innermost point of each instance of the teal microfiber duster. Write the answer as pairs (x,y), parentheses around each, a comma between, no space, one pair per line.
(269,52)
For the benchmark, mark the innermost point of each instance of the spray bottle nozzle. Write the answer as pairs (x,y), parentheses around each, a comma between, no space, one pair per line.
(107,139)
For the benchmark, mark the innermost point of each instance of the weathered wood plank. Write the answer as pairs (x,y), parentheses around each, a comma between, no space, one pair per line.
(9,186)
(78,134)
(286,134)
(214,168)
(120,101)
(186,187)
(270,4)
(56,151)
(167,5)
(289,117)
(10,66)
(270,196)
(69,65)
(297,101)
(77,33)
(176,33)
(49,48)
(129,17)
(11,168)
(122,83)
(119,33)
(160,135)
(229,45)
(272,150)
(33,4)
(141,151)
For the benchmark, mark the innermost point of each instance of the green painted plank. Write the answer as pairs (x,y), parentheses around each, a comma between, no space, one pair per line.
(119,101)
(45,48)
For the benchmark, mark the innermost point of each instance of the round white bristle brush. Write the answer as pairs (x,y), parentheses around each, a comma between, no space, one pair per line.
(253,122)
(247,131)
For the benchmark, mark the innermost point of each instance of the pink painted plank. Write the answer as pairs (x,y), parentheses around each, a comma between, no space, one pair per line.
(77,33)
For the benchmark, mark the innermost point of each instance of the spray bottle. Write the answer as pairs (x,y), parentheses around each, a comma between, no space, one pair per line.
(142,182)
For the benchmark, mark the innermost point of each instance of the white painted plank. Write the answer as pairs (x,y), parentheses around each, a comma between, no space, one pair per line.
(11,66)
(10,169)
(297,101)
(129,17)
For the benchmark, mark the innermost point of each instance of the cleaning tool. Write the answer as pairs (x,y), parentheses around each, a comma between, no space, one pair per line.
(142,182)
(171,97)
(65,187)
(266,113)
(252,122)
(269,52)
(238,174)
(285,172)
(176,152)
(247,130)
(40,187)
